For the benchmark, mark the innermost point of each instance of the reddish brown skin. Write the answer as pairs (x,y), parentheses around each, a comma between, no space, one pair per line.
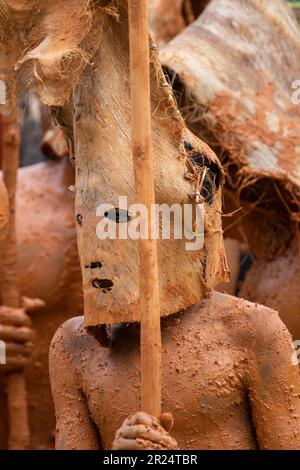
(276,285)
(49,269)
(170,17)
(228,380)
(167,18)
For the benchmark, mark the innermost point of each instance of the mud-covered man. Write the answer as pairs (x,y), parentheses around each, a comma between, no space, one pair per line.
(228,380)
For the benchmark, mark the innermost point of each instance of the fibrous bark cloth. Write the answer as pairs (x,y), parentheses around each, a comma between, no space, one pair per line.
(234,70)
(78,52)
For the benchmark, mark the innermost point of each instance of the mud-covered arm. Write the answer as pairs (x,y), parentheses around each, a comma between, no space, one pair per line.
(273,383)
(74,428)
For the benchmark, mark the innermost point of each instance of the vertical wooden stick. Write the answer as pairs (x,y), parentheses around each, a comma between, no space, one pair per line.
(1,141)
(144,183)
(19,435)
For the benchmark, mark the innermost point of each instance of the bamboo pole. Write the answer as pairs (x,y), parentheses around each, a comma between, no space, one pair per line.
(19,435)
(144,187)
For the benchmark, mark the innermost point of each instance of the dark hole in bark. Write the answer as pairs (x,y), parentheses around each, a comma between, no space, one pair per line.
(197,7)
(102,333)
(79,219)
(105,284)
(187,146)
(105,3)
(176,84)
(120,216)
(213,178)
(94,265)
(201,160)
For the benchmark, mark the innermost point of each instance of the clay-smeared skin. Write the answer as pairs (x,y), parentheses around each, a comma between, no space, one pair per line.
(49,269)
(227,380)
(169,17)
(166,19)
(46,229)
(16,331)
(276,284)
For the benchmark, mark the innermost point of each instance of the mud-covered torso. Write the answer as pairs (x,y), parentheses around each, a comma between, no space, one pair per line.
(202,383)
(47,252)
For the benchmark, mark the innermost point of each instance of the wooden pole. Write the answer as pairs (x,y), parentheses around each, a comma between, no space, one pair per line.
(1,141)
(19,436)
(144,184)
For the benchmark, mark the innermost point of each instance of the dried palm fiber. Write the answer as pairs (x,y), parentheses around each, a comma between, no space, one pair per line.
(169,17)
(48,34)
(234,68)
(97,118)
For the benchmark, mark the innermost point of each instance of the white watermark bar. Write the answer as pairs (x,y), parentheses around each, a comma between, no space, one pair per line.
(177,222)
(296,353)
(2,92)
(2,353)
(296,94)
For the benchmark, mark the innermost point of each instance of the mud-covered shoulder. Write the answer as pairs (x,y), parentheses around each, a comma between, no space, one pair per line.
(68,331)
(250,325)
(72,343)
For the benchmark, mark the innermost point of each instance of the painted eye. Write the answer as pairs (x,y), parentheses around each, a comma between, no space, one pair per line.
(120,216)
(105,284)
(79,219)
(94,265)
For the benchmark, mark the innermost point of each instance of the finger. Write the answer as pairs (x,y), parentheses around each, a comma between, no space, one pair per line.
(142,418)
(16,334)
(160,437)
(13,316)
(167,421)
(18,350)
(129,431)
(15,363)
(32,305)
(125,444)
